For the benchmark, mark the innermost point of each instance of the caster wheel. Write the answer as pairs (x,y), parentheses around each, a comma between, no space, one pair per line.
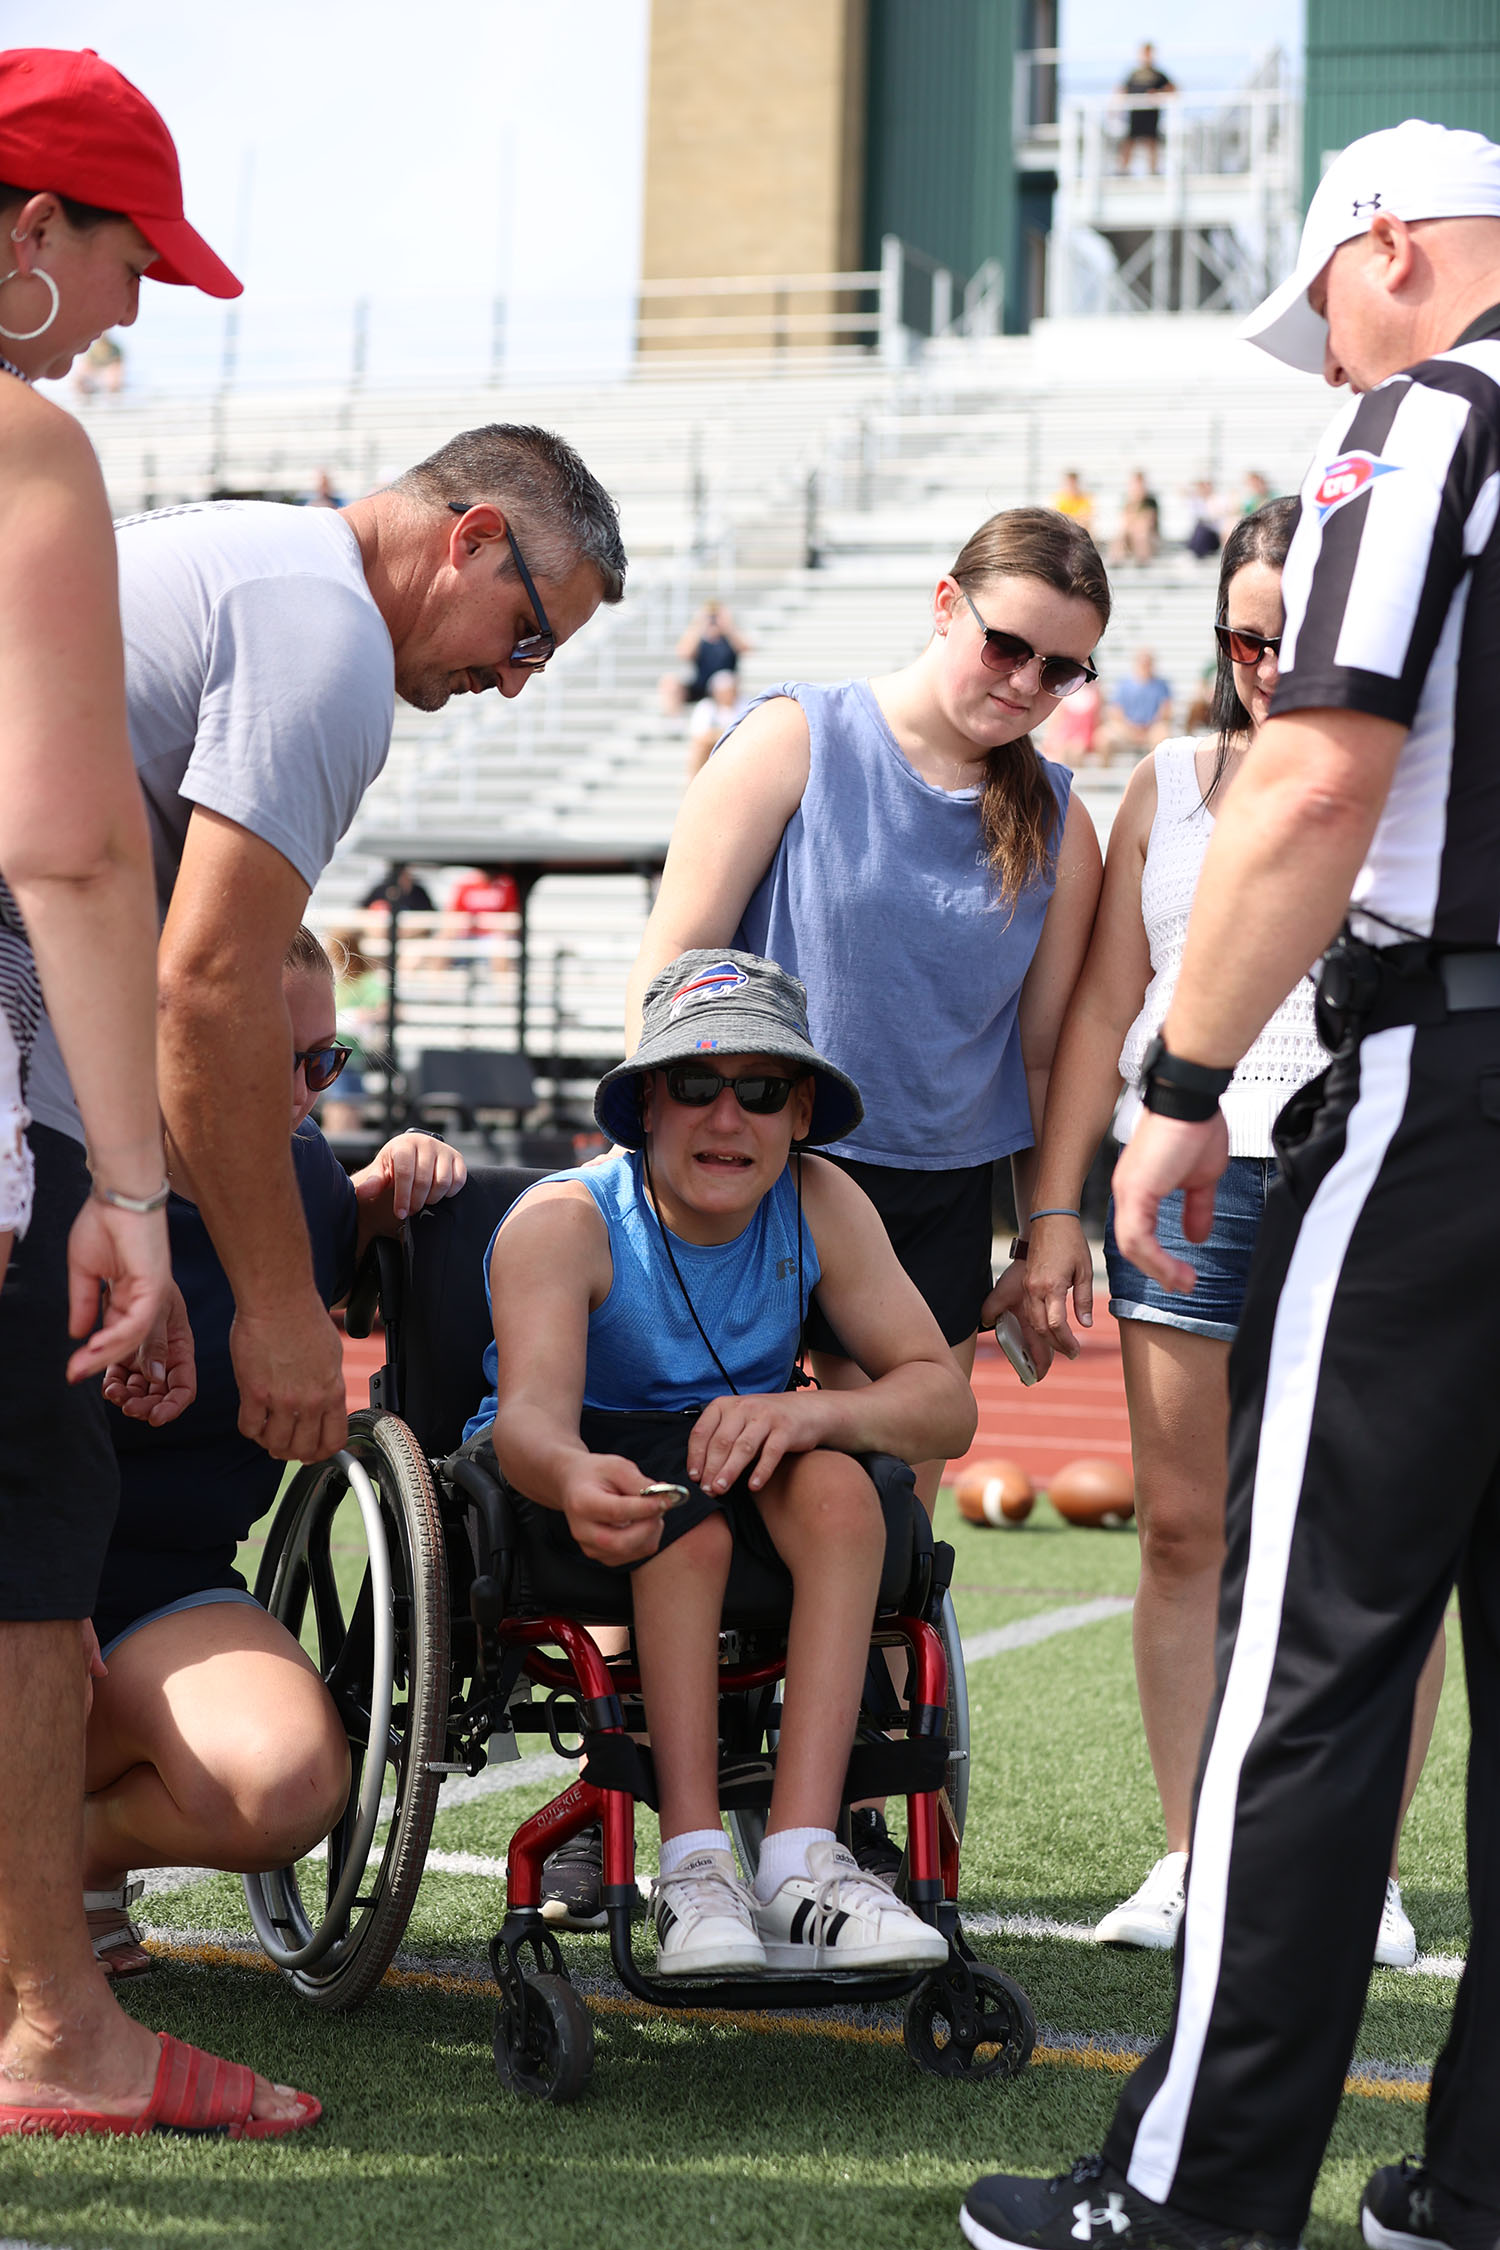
(969,2021)
(558,2057)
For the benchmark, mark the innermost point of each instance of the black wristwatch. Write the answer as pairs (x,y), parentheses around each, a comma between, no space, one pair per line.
(1174,1087)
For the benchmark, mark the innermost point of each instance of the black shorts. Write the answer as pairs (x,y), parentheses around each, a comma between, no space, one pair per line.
(59,1486)
(941,1229)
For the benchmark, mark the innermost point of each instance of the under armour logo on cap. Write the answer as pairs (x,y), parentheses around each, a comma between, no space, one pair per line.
(1366,203)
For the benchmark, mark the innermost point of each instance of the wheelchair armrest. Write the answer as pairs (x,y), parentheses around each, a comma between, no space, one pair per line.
(377,1287)
(492,1501)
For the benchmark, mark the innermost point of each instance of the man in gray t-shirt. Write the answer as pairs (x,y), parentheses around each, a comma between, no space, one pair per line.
(264,649)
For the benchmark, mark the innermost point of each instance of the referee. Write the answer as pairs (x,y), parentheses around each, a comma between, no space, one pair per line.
(1365,1440)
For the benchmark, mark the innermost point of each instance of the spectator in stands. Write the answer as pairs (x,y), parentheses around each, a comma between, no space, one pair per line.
(1140,710)
(1139,532)
(1071,500)
(361,993)
(322,494)
(492,890)
(1143,125)
(1176,1348)
(102,367)
(401,889)
(1255,494)
(722,708)
(1072,735)
(212,1741)
(1207,509)
(712,643)
(264,649)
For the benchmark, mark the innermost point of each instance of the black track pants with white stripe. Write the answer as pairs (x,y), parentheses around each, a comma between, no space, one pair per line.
(1364,1474)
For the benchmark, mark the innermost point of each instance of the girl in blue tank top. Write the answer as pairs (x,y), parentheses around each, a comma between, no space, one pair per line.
(900,845)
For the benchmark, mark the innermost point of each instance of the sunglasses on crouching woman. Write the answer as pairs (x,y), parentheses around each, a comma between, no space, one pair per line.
(321,1064)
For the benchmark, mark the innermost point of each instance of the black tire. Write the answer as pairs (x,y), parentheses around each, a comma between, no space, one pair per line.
(335,1960)
(1004,2025)
(558,2059)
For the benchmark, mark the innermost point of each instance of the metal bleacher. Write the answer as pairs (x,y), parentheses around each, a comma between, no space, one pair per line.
(821,497)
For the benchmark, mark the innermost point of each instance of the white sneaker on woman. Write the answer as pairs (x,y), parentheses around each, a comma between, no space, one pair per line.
(705,1920)
(838,1917)
(1396,1945)
(1150,1916)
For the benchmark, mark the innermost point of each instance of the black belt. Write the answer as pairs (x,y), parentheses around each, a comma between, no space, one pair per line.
(1367,988)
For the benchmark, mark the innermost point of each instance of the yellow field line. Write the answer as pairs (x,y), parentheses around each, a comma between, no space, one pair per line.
(1113,2059)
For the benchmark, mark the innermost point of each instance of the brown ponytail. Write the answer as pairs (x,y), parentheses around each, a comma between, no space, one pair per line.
(1017,808)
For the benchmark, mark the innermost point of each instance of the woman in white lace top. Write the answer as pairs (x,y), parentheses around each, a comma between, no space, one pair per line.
(1176,1349)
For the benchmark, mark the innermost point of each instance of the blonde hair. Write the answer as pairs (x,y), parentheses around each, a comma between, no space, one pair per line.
(1018,811)
(305,956)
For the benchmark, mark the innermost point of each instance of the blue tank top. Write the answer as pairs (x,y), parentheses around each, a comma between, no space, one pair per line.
(880,898)
(644,1351)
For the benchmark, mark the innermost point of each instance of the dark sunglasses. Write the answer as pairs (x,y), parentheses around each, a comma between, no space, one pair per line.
(1007,652)
(322,1065)
(696,1088)
(1246,648)
(532,649)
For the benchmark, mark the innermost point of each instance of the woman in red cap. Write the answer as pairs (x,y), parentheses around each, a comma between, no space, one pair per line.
(90,200)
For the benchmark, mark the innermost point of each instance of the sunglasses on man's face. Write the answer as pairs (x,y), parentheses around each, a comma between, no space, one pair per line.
(321,1064)
(1008,653)
(1246,648)
(532,650)
(697,1088)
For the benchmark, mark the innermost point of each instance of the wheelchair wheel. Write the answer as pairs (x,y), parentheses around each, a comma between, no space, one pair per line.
(969,2021)
(354,1568)
(557,2057)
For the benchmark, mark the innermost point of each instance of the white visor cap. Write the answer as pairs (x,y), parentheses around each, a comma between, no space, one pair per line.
(1412,171)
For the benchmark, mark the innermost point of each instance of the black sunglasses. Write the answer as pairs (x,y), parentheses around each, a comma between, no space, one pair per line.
(322,1065)
(532,649)
(696,1088)
(1246,648)
(1007,652)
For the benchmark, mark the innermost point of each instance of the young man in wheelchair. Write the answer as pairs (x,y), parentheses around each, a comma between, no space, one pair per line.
(648,1312)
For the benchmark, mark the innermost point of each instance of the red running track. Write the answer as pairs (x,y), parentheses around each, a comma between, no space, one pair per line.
(1078,1411)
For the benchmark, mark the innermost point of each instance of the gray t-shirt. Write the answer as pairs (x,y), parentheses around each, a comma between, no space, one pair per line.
(260,683)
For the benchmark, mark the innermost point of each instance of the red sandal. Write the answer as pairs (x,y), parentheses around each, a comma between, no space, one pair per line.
(195,2092)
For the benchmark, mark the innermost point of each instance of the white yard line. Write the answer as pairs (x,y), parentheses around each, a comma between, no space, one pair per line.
(1026,1631)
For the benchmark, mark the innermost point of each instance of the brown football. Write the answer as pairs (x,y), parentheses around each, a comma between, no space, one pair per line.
(995,1492)
(1093,1492)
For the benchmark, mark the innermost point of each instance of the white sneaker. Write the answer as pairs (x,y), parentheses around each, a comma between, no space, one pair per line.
(838,1917)
(705,1920)
(1396,1946)
(1149,1917)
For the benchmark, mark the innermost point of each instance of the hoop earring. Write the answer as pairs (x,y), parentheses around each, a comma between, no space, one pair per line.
(27,335)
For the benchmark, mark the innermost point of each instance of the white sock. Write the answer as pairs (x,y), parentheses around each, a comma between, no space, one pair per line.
(784,1855)
(675,1849)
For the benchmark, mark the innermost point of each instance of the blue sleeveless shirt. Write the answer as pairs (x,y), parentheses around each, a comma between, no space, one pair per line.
(880,898)
(643,1350)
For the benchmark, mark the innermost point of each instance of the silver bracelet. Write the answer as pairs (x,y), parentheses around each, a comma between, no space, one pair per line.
(139,1204)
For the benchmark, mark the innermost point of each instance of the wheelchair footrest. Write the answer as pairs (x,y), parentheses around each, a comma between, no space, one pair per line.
(876,1769)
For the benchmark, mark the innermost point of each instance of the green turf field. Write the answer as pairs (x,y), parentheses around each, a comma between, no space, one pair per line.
(811,2133)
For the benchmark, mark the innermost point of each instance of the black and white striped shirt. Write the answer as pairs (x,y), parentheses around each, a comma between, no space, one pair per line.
(1392,592)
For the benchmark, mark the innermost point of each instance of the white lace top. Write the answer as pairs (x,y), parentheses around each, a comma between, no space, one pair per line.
(1288,1052)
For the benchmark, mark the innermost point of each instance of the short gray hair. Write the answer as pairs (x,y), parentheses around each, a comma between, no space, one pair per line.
(558,509)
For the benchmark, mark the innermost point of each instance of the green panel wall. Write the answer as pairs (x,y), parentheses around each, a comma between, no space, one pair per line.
(938,167)
(1372,62)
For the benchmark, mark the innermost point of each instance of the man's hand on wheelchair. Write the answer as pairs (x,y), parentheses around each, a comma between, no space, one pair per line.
(732,1433)
(162,1378)
(608,1514)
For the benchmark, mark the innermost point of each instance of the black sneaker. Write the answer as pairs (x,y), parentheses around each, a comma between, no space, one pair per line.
(870,1841)
(1401,2209)
(1092,2205)
(573,1882)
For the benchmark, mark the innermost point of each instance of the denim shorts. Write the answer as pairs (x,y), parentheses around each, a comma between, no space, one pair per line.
(1222,1263)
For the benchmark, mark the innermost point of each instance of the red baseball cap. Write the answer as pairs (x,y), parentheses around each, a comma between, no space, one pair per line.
(72,123)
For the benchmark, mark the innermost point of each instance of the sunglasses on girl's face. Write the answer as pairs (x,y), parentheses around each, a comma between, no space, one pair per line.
(322,1065)
(1246,648)
(1007,653)
(697,1088)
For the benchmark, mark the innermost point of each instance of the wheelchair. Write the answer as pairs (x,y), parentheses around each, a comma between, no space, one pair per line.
(464,1638)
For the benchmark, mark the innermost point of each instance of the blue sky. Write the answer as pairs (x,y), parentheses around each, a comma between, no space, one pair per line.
(433,156)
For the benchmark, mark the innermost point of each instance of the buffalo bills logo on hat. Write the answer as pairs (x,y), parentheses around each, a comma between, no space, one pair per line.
(709,984)
(1346,478)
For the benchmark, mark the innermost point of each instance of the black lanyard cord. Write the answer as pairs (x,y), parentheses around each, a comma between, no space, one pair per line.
(799,1377)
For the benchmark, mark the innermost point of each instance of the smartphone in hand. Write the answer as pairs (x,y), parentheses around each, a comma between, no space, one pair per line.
(1012,1341)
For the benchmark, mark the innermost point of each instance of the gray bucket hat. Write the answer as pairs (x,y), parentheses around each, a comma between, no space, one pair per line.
(707,1003)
